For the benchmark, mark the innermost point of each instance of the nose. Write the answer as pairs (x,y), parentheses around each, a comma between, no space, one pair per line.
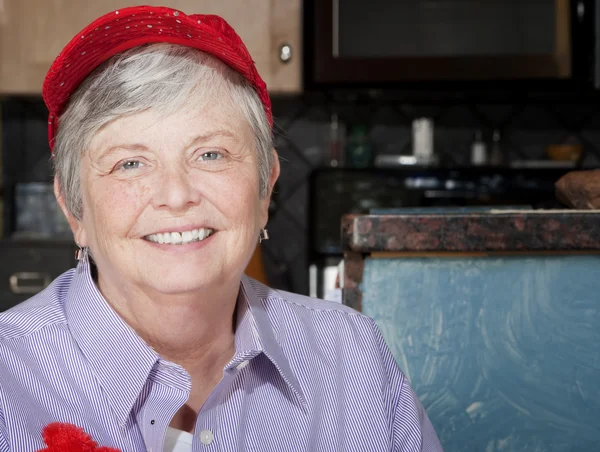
(175,191)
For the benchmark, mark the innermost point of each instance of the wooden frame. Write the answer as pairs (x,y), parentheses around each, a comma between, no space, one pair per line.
(327,68)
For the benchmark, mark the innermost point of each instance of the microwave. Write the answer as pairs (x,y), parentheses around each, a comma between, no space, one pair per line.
(386,41)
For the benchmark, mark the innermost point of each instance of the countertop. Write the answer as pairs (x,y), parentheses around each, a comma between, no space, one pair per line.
(472,231)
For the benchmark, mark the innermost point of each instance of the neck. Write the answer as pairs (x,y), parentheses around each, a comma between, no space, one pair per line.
(191,329)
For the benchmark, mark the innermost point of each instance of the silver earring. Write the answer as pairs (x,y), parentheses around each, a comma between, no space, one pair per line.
(81,254)
(264,235)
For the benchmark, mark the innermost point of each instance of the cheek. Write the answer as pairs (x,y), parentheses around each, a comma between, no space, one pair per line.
(116,205)
(239,197)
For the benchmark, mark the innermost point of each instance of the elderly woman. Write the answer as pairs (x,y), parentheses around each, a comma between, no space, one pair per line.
(164,165)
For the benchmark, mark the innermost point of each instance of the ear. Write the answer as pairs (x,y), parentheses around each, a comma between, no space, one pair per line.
(273,176)
(76,225)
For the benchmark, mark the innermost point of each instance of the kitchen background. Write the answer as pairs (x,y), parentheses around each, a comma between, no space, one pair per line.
(486,141)
(380,104)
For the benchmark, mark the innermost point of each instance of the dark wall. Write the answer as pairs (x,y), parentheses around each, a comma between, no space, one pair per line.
(527,125)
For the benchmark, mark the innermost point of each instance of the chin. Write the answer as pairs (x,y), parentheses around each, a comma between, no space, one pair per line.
(183,279)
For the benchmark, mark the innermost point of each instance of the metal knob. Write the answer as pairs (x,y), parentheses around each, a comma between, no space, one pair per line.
(285,53)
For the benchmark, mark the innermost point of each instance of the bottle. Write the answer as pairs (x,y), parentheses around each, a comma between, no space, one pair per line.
(359,151)
(496,153)
(478,150)
(337,135)
(422,139)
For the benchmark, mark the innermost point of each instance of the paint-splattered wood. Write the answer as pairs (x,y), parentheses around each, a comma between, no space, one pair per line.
(504,353)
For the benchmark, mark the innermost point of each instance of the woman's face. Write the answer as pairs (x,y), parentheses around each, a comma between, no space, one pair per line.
(172,204)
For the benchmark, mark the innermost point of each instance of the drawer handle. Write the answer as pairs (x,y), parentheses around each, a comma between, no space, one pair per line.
(28,282)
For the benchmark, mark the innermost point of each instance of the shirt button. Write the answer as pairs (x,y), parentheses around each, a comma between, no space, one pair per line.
(206,437)
(243,364)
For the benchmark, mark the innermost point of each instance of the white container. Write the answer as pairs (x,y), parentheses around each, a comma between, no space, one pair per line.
(478,151)
(422,139)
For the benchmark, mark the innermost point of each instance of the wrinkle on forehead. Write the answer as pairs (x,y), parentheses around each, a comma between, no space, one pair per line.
(220,103)
(153,129)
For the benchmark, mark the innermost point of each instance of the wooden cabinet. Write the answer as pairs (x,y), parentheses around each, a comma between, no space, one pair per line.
(494,312)
(27,267)
(33,32)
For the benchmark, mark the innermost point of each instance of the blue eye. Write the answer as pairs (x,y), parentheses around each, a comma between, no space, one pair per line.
(208,156)
(130,165)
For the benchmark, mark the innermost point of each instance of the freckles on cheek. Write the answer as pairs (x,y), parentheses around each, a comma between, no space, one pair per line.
(241,183)
(119,201)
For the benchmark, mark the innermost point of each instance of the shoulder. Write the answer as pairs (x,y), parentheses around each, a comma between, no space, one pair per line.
(339,334)
(37,313)
(24,330)
(284,306)
(294,300)
(328,338)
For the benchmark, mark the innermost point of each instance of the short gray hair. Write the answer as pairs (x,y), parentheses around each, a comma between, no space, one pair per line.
(161,76)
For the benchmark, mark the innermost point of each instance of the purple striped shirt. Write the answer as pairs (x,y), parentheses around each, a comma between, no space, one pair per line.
(307,375)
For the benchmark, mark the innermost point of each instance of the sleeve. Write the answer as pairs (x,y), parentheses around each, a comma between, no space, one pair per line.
(412,429)
(3,432)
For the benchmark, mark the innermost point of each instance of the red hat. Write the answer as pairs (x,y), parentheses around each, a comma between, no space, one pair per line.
(130,27)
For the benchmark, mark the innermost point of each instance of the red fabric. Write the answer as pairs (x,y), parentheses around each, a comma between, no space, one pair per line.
(63,437)
(126,28)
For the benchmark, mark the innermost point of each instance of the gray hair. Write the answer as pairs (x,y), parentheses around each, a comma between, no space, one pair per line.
(161,76)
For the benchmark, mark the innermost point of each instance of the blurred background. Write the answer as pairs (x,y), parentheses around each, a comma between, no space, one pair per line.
(377,104)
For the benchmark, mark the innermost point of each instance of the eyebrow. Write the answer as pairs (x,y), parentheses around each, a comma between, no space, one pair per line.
(141,147)
(224,133)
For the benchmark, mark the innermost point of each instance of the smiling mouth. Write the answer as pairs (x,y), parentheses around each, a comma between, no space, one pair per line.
(180,238)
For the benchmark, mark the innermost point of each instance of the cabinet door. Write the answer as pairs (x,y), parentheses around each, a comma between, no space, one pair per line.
(33,32)
(28,267)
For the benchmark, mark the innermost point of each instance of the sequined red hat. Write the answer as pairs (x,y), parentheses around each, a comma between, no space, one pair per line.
(121,30)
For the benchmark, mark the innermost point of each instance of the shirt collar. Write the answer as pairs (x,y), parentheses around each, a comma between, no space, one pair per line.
(121,360)
(255,334)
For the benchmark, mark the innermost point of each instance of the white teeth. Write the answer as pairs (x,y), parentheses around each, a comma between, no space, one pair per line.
(182,238)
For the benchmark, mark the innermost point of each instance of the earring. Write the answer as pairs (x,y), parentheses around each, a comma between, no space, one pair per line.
(264,235)
(81,254)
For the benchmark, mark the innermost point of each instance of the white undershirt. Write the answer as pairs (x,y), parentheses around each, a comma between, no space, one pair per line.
(178,441)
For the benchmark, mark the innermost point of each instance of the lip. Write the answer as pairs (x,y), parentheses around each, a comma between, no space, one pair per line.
(180,229)
(192,246)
